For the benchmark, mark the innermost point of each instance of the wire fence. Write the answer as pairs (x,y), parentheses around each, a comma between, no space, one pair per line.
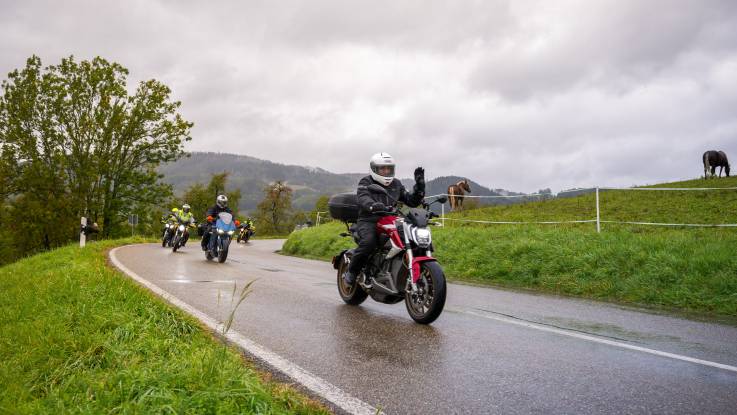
(322,217)
(597,219)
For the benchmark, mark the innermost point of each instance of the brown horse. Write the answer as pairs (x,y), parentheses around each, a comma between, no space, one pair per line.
(456,192)
(713,159)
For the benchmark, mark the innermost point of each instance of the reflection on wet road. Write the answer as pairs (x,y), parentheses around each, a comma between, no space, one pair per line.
(492,351)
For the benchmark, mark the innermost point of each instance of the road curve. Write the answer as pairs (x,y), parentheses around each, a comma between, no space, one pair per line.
(492,351)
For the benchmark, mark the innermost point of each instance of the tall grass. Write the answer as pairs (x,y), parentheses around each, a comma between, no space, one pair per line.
(77,336)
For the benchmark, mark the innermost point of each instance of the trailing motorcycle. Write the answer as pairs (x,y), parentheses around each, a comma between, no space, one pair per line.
(181,234)
(220,234)
(246,232)
(402,267)
(169,228)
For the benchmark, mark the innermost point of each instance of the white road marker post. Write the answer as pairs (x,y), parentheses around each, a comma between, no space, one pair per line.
(598,215)
(442,214)
(82,235)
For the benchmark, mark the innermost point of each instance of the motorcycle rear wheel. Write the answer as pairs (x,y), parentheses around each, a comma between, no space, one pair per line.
(351,294)
(427,307)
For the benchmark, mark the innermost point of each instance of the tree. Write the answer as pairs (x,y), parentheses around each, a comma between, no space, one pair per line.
(81,145)
(321,205)
(273,213)
(201,197)
(545,194)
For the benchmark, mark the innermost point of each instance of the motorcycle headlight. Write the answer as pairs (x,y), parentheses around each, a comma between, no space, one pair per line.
(422,237)
(181,228)
(220,231)
(230,232)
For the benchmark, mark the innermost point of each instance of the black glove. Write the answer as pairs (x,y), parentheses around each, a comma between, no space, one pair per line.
(420,177)
(378,207)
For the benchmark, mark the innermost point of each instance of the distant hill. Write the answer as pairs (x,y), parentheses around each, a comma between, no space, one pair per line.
(250,175)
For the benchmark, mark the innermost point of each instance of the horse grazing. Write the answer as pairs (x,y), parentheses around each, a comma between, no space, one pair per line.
(456,192)
(713,159)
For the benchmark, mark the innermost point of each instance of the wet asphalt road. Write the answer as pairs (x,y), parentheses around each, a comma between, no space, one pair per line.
(481,356)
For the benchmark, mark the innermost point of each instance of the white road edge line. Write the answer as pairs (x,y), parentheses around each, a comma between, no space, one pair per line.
(597,339)
(318,386)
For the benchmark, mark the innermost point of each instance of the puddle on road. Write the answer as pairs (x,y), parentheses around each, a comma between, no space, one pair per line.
(271,269)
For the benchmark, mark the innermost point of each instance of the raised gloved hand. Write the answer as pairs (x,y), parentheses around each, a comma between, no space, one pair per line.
(378,207)
(420,177)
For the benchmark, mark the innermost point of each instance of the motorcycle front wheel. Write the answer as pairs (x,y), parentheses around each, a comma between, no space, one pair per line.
(425,305)
(223,253)
(175,244)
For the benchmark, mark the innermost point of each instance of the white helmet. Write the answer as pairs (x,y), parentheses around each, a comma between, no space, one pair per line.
(382,160)
(186,208)
(222,201)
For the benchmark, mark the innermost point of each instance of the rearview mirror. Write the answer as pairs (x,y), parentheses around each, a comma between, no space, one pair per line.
(442,199)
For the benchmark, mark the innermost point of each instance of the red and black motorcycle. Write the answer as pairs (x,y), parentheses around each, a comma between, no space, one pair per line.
(402,267)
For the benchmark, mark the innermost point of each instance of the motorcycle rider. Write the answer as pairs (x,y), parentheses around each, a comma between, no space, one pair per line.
(246,224)
(221,205)
(371,204)
(170,216)
(186,218)
(245,228)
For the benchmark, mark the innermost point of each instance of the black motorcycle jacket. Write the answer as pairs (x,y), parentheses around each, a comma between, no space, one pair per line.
(214,211)
(396,193)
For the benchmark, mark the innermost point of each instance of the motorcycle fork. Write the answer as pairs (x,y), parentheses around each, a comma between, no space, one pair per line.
(410,277)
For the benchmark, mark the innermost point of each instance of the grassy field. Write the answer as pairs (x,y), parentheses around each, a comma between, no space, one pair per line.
(77,336)
(687,269)
(719,206)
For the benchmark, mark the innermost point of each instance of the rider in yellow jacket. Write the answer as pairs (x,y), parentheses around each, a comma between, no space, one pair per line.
(185,217)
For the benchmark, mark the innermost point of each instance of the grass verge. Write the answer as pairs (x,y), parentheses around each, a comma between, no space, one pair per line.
(78,336)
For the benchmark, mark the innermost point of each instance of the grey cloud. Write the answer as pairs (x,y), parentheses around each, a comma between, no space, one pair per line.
(611,44)
(515,94)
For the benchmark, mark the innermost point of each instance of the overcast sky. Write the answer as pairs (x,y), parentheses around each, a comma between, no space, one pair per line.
(516,94)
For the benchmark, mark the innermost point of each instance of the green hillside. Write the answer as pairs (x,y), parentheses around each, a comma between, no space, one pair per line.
(696,207)
(687,269)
